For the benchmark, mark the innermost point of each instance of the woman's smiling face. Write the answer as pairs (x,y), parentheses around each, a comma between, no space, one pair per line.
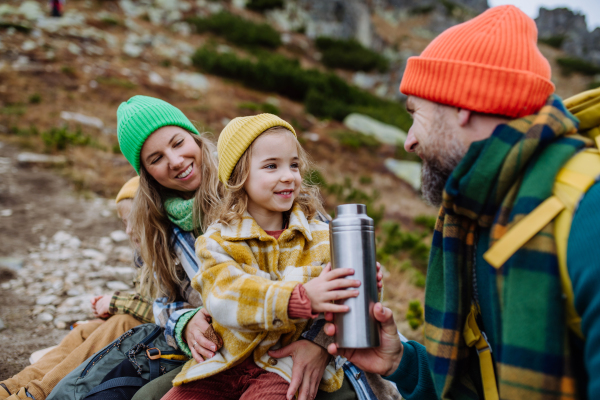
(173,158)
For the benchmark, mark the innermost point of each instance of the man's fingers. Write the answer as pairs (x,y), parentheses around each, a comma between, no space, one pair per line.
(329,329)
(386,318)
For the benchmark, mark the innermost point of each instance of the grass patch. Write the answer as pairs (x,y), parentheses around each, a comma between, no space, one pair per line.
(356,140)
(264,5)
(422,10)
(68,70)
(426,221)
(17,26)
(259,107)
(61,138)
(111,21)
(568,65)
(116,82)
(350,55)
(594,85)
(415,314)
(35,98)
(13,109)
(553,41)
(365,180)
(324,95)
(237,30)
(394,242)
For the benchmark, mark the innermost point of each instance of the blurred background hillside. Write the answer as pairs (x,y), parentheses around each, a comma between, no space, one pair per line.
(332,68)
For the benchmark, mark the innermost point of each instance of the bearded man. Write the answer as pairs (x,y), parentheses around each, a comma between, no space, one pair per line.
(493,136)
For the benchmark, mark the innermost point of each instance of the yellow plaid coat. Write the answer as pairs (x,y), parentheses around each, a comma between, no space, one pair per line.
(246,279)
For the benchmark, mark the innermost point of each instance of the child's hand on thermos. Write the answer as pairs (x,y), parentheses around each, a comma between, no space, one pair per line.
(333,285)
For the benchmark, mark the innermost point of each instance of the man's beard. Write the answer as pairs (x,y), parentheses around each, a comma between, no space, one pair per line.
(440,157)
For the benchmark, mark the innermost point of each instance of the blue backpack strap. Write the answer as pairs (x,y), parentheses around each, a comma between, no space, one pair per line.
(153,361)
(117,382)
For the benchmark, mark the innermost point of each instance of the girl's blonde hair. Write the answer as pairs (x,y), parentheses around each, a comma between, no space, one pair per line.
(151,226)
(235,202)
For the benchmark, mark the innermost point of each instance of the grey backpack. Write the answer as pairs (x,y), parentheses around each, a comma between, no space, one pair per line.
(121,368)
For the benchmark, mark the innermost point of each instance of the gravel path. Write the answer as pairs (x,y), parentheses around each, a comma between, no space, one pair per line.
(57,250)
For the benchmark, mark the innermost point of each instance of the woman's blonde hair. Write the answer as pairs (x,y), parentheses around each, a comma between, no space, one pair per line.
(160,275)
(235,202)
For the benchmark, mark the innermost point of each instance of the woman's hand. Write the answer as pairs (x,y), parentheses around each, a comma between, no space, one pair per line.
(201,347)
(100,305)
(310,361)
(330,286)
(379,278)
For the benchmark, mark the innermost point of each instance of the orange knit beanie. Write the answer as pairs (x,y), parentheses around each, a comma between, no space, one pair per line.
(490,64)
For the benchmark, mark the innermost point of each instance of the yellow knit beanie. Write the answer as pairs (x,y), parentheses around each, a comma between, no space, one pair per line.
(238,135)
(128,190)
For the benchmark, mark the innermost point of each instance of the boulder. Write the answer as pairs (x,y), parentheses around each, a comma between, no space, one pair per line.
(409,171)
(366,125)
(40,159)
(119,236)
(117,285)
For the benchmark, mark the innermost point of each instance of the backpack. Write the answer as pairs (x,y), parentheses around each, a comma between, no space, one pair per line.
(572,182)
(118,371)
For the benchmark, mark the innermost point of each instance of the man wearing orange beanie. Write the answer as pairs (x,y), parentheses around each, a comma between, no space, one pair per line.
(493,139)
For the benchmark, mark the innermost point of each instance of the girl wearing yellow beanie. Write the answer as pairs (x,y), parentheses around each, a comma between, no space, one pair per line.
(264,268)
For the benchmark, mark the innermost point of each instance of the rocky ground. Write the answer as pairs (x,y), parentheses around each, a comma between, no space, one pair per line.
(57,250)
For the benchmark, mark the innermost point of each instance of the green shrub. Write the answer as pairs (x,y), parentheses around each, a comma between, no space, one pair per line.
(569,65)
(18,26)
(426,221)
(356,140)
(350,55)
(553,41)
(594,85)
(259,107)
(264,5)
(415,314)
(324,94)
(394,241)
(60,138)
(422,10)
(117,82)
(365,179)
(111,21)
(13,109)
(237,30)
(68,70)
(35,98)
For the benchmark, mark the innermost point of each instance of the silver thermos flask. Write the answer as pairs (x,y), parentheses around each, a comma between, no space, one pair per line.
(352,241)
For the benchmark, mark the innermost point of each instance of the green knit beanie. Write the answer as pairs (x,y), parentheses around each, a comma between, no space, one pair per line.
(139,117)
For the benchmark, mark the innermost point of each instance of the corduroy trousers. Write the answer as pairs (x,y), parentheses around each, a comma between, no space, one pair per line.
(84,340)
(245,381)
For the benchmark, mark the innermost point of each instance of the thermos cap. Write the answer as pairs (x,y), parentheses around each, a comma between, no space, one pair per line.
(351,215)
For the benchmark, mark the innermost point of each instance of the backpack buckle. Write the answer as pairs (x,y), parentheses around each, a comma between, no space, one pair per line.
(153,353)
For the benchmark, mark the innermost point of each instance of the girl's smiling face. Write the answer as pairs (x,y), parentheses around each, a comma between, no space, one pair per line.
(173,158)
(274,179)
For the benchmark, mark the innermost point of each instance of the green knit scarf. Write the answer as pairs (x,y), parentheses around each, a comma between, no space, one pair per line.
(499,181)
(181,212)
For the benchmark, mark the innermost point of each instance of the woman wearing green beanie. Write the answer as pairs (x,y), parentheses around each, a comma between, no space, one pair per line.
(179,188)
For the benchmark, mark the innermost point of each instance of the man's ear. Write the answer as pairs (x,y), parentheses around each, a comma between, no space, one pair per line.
(464,116)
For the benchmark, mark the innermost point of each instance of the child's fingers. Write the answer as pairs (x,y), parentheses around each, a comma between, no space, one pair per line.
(337,273)
(327,268)
(339,295)
(378,266)
(342,284)
(334,308)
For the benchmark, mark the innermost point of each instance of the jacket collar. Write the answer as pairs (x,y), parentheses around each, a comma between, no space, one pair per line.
(247,228)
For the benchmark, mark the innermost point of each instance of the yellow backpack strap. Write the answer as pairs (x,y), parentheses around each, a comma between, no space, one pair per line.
(474,337)
(572,182)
